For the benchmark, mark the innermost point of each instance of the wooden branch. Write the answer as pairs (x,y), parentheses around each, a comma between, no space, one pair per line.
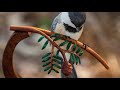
(21,32)
(7,62)
(52,56)
(38,30)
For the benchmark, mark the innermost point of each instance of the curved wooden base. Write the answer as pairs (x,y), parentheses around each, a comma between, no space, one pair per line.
(7,62)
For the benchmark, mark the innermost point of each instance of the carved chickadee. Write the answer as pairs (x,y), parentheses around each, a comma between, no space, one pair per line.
(70,24)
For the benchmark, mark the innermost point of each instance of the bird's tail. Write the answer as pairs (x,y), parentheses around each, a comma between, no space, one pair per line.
(73,74)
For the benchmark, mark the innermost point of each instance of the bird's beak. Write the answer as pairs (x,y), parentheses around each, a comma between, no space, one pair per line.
(78,29)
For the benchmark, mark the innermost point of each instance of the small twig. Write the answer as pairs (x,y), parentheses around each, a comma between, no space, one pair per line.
(52,56)
(68,51)
(48,33)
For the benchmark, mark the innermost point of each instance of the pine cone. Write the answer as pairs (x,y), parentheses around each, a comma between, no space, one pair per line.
(67,68)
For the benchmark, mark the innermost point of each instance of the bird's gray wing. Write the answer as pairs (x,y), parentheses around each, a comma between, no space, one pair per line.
(55,21)
(73,74)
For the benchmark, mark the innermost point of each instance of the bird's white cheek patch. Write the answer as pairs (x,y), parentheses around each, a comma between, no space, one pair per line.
(60,29)
(65,18)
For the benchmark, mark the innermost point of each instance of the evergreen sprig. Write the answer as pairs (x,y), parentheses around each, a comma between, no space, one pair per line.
(53,62)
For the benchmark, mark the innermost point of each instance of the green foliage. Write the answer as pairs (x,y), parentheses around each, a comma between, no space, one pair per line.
(68,45)
(51,62)
(57,61)
(55,70)
(44,46)
(56,39)
(81,53)
(77,60)
(46,43)
(46,59)
(78,50)
(46,64)
(47,68)
(54,62)
(74,59)
(55,35)
(58,57)
(63,43)
(57,53)
(57,66)
(46,55)
(74,47)
(49,71)
(72,56)
(40,39)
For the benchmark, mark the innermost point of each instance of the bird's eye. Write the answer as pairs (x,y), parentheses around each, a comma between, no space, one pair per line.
(69,28)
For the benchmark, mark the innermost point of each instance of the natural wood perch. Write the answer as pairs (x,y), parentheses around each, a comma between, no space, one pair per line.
(21,32)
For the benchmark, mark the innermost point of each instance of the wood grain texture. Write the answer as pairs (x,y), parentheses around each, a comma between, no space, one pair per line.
(7,62)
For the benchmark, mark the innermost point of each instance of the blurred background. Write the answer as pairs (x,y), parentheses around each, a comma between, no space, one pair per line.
(101,32)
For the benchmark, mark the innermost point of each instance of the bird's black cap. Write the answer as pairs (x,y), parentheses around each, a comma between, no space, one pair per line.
(77,18)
